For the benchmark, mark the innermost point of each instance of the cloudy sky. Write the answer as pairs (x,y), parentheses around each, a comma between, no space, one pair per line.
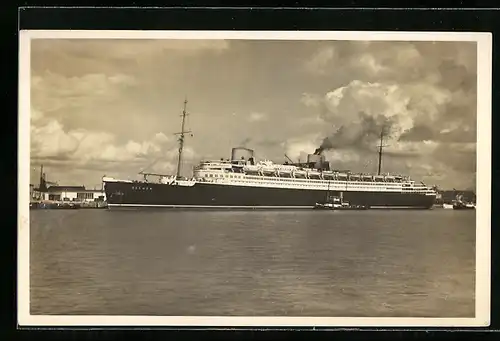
(111,107)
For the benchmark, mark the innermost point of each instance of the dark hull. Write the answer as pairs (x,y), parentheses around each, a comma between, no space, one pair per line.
(124,194)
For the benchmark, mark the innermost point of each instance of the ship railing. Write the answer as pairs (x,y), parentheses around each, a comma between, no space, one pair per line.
(326,177)
(418,189)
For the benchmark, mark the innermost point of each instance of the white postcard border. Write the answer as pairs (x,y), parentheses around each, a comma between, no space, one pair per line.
(483,221)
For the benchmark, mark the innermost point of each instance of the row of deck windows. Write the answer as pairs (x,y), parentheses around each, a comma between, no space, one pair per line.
(416,190)
(261,180)
(321,183)
(287,179)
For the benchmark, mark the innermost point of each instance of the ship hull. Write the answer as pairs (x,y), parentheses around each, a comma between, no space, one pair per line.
(203,195)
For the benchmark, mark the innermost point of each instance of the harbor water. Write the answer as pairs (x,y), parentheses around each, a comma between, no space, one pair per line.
(380,263)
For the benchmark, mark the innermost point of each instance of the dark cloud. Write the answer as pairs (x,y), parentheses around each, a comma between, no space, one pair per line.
(423,93)
(418,133)
(463,158)
(403,154)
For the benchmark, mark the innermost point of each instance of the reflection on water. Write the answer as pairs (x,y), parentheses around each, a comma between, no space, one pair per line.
(294,263)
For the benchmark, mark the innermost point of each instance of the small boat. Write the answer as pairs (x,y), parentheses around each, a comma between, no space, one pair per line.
(346,206)
(337,204)
(330,203)
(324,206)
(463,206)
(339,207)
(459,204)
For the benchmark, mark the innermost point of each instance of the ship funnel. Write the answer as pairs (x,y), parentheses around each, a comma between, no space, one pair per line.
(313,158)
(241,153)
(317,161)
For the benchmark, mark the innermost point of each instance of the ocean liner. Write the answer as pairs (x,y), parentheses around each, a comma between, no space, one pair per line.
(243,182)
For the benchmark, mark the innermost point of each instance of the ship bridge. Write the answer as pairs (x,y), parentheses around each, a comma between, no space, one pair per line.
(214,165)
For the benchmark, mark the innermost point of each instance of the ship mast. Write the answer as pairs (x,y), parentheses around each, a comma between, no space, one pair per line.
(41,178)
(380,150)
(43,183)
(181,139)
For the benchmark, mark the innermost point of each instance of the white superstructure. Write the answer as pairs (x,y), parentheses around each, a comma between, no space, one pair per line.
(268,174)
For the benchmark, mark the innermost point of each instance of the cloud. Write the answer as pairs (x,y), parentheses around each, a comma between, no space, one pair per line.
(71,118)
(422,95)
(311,100)
(100,54)
(299,147)
(257,117)
(415,120)
(359,111)
(320,60)
(118,84)
(52,92)
(63,150)
(51,141)
(369,64)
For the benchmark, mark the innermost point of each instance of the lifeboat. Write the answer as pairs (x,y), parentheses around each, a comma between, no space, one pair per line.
(301,174)
(252,169)
(313,174)
(342,176)
(354,177)
(367,178)
(328,176)
(268,170)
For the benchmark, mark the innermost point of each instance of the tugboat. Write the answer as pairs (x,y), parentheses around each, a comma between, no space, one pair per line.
(337,203)
(459,204)
(331,203)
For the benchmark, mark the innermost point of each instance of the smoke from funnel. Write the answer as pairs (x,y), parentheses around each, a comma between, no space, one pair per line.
(245,142)
(362,134)
(425,93)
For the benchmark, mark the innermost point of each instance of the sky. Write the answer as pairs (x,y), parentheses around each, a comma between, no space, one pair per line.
(111,107)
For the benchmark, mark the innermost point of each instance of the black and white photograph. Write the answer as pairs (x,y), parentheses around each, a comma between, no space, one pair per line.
(234,178)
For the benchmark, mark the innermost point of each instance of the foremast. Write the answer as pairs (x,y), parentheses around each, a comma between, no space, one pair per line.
(181,139)
(380,147)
